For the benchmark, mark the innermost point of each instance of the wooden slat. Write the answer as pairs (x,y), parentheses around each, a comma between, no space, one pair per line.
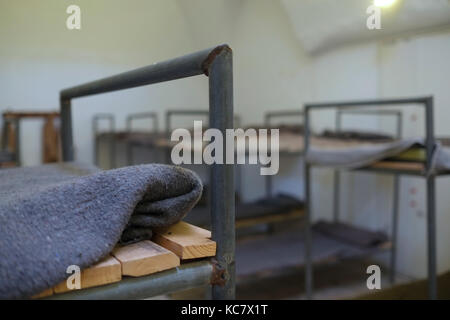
(186,241)
(145,257)
(29,114)
(272,218)
(43,294)
(106,271)
(7,164)
(398,165)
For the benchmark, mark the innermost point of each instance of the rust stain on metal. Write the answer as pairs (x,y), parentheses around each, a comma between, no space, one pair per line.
(217,276)
(213,54)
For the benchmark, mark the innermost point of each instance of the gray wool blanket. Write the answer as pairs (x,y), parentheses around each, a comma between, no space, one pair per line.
(54,216)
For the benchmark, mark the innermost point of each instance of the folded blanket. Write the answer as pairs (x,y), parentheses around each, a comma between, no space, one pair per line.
(58,215)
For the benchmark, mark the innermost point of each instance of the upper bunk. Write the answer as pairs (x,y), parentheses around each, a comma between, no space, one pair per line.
(414,156)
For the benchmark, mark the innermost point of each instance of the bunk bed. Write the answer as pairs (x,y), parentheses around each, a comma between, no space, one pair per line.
(268,210)
(389,158)
(219,272)
(291,135)
(10,150)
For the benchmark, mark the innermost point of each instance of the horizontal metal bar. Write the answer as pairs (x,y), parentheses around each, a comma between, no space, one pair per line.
(172,113)
(362,103)
(371,112)
(103,116)
(189,275)
(283,113)
(187,113)
(178,68)
(396,113)
(142,115)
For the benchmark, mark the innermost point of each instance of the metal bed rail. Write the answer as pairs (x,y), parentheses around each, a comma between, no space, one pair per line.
(216,63)
(95,129)
(427,103)
(186,276)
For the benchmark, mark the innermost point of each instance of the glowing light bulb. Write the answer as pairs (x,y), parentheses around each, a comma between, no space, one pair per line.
(383,3)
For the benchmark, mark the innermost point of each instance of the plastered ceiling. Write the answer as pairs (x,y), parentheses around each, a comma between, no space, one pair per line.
(323,24)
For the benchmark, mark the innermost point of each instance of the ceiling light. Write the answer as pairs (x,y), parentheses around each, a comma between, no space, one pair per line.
(383,3)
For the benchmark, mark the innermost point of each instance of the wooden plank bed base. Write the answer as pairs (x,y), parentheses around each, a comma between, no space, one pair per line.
(181,241)
(399,165)
(186,241)
(143,258)
(272,218)
(106,271)
(43,294)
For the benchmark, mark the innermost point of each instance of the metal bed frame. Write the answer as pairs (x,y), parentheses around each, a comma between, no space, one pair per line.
(95,129)
(138,116)
(427,174)
(336,203)
(216,63)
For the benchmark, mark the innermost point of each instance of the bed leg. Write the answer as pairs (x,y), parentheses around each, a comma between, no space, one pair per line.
(337,193)
(431,234)
(395,208)
(308,236)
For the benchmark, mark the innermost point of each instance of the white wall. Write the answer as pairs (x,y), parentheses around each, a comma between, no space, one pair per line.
(39,56)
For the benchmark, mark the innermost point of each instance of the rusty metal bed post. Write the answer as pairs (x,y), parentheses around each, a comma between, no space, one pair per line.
(217,64)
(308,231)
(220,73)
